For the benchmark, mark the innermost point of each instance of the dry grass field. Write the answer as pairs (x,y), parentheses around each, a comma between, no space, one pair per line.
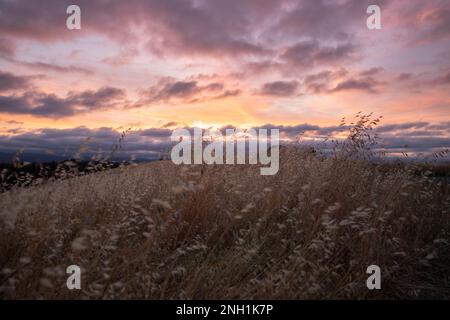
(104,103)
(157,231)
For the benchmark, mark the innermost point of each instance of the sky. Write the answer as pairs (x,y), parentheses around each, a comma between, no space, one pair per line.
(156,65)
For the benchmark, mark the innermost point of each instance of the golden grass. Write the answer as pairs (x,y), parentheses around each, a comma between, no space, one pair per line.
(161,231)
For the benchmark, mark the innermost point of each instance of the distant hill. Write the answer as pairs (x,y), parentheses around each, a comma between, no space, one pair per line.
(6,158)
(30,157)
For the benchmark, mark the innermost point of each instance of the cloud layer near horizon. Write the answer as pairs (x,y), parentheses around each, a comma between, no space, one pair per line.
(413,137)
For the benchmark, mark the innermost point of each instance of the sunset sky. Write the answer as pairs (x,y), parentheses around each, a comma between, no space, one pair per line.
(156,65)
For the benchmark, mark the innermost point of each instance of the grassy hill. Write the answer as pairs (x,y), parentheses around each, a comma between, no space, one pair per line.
(158,230)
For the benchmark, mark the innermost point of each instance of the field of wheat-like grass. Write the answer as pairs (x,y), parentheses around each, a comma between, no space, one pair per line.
(158,231)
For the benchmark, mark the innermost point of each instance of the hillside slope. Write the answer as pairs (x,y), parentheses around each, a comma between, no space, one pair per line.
(159,230)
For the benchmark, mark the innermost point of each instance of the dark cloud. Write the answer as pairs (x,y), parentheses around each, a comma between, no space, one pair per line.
(409,137)
(371,72)
(170,124)
(280,88)
(428,21)
(228,93)
(148,143)
(304,55)
(322,19)
(177,26)
(15,18)
(65,143)
(305,129)
(367,84)
(103,97)
(177,89)
(317,87)
(221,28)
(251,28)
(14,104)
(42,66)
(9,82)
(264,66)
(292,131)
(404,137)
(186,91)
(438,24)
(440,126)
(320,82)
(310,53)
(402,126)
(156,132)
(344,80)
(422,133)
(50,105)
(415,144)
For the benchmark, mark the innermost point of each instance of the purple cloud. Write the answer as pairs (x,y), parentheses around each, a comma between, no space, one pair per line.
(52,106)
(280,88)
(9,82)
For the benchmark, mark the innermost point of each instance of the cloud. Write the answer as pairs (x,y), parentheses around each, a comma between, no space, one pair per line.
(124,57)
(42,66)
(442,80)
(404,76)
(403,126)
(325,20)
(291,132)
(418,135)
(285,39)
(170,90)
(403,137)
(426,21)
(303,55)
(415,144)
(437,24)
(264,66)
(232,28)
(371,72)
(228,93)
(178,89)
(235,29)
(13,122)
(9,82)
(148,143)
(14,104)
(331,81)
(156,132)
(65,143)
(50,105)
(177,26)
(445,126)
(367,84)
(310,53)
(7,48)
(319,83)
(170,124)
(280,88)
(103,97)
